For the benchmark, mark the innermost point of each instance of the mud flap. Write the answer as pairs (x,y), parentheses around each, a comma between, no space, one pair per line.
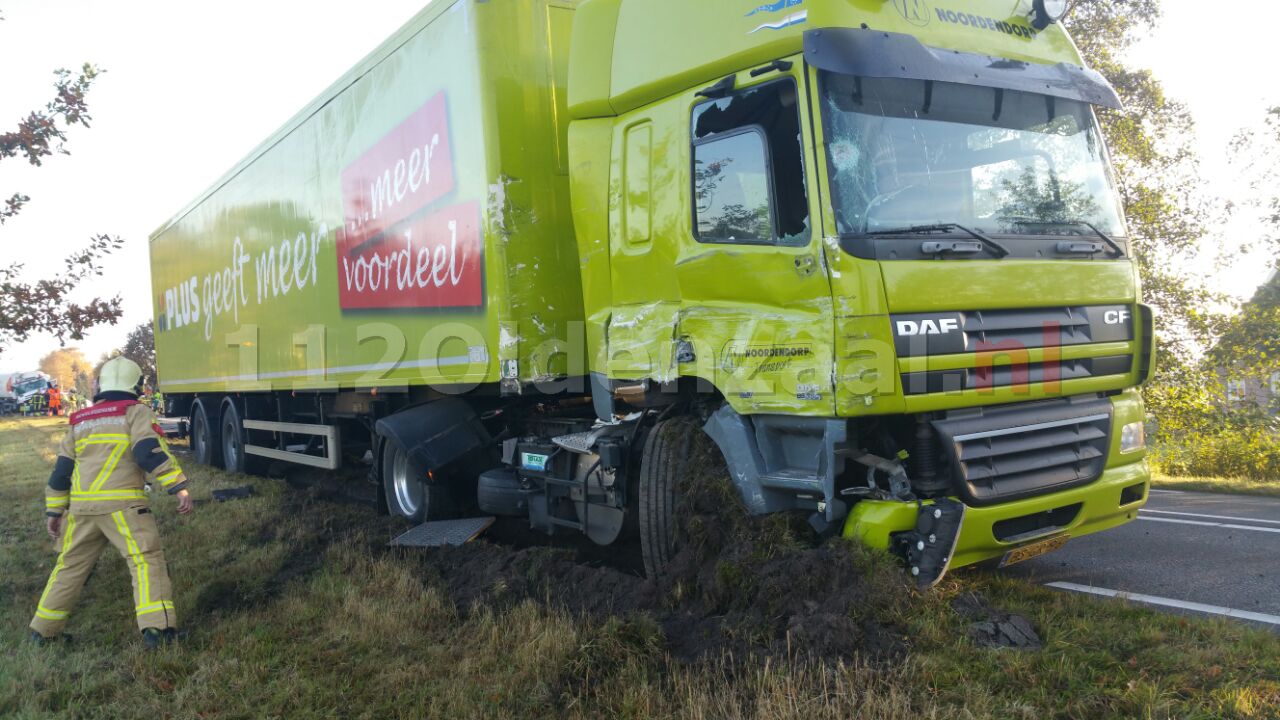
(933,543)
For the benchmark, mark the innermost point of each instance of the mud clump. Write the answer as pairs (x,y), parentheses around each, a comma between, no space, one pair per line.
(746,586)
(991,627)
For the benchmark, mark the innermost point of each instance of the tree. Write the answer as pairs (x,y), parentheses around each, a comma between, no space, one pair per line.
(140,347)
(46,305)
(1168,208)
(1152,143)
(1256,154)
(65,366)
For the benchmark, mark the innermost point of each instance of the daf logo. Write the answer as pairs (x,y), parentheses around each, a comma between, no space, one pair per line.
(913,328)
(916,12)
(1116,317)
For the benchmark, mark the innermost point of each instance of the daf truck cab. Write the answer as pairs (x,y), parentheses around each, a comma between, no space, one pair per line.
(888,233)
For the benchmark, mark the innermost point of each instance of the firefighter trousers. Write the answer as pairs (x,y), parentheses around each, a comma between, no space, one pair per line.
(134,535)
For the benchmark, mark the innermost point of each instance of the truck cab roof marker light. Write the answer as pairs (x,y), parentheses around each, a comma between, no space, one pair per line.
(1048,12)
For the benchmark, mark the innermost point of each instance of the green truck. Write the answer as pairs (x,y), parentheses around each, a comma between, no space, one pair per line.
(515,259)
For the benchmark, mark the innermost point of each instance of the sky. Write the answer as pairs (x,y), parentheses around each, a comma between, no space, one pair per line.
(191,88)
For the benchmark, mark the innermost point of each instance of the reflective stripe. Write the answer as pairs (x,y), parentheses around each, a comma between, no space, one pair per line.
(155,607)
(170,477)
(110,466)
(108,495)
(139,563)
(57,502)
(41,610)
(164,445)
(102,439)
(121,441)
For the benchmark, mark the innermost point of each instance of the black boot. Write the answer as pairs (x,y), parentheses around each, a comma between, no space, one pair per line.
(153,638)
(40,640)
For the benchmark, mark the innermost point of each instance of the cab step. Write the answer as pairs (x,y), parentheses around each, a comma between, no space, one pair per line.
(444,532)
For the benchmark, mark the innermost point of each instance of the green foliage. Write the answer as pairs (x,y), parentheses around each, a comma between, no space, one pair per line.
(1235,450)
(140,347)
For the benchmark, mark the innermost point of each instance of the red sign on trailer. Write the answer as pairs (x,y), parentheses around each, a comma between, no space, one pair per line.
(389,255)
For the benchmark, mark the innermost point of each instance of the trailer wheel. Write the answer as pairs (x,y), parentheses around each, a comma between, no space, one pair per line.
(205,438)
(666,454)
(408,493)
(233,441)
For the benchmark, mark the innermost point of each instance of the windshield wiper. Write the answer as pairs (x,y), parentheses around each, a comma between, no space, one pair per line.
(1000,250)
(1116,251)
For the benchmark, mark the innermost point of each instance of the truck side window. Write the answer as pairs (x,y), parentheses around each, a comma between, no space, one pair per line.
(748,168)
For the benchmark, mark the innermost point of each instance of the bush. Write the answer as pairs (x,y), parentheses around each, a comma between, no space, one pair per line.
(1231,450)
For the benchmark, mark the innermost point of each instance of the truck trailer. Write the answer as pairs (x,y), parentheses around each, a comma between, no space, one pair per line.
(519,257)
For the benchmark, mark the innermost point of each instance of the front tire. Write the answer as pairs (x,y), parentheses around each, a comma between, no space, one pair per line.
(665,459)
(408,494)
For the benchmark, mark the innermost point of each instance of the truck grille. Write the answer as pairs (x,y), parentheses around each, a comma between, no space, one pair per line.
(985,378)
(1015,452)
(952,333)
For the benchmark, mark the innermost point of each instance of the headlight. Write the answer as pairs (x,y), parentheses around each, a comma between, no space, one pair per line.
(1048,12)
(1133,437)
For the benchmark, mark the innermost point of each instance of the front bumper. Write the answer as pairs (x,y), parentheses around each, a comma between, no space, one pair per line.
(1112,500)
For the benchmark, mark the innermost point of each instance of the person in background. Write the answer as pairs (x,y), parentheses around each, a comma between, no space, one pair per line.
(55,401)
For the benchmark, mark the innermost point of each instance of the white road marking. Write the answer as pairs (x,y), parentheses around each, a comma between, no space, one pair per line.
(1169,602)
(1202,523)
(1210,517)
(1167,492)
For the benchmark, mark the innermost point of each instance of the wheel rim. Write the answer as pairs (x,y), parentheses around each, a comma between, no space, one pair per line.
(404,484)
(231,446)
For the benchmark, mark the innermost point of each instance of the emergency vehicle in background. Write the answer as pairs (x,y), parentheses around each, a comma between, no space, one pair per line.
(22,388)
(521,253)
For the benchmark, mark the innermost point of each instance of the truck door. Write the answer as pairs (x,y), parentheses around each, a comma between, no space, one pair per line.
(716,255)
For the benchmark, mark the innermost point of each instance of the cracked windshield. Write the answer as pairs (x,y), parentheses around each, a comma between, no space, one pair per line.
(908,153)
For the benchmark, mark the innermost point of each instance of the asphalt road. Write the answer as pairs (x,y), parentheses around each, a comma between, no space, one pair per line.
(1186,552)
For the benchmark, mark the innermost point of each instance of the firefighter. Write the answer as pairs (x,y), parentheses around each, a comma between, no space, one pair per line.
(55,401)
(95,498)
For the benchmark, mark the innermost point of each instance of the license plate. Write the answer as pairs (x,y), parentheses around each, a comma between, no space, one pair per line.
(1034,550)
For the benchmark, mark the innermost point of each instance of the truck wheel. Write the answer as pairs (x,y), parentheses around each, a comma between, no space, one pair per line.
(205,439)
(408,494)
(233,440)
(666,453)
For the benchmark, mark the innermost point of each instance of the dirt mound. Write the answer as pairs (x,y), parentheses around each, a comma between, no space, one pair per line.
(749,586)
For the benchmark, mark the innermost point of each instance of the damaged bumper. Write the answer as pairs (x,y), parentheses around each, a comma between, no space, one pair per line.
(990,533)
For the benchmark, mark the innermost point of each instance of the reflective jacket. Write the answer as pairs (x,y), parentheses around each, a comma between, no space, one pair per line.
(111,450)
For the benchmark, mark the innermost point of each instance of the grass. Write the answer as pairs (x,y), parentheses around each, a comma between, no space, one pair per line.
(296,610)
(1233,486)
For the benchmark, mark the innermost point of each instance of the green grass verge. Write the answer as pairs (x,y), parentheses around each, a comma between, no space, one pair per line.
(295,610)
(1232,486)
